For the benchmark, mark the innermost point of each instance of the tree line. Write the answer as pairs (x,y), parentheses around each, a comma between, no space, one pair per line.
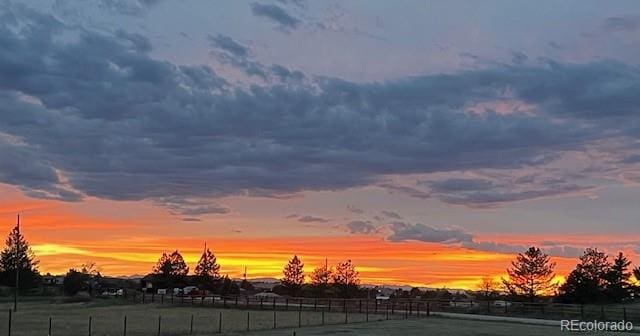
(595,278)
(531,276)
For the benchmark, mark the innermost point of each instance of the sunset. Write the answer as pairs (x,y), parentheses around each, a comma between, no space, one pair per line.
(378,150)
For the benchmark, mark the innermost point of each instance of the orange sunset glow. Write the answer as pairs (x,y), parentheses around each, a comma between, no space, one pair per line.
(429,146)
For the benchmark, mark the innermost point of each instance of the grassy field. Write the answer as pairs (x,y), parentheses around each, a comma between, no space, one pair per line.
(426,327)
(72,319)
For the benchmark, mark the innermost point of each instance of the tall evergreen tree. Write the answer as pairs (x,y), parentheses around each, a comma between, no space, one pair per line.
(171,264)
(618,286)
(293,275)
(321,278)
(17,254)
(587,282)
(346,278)
(531,274)
(207,266)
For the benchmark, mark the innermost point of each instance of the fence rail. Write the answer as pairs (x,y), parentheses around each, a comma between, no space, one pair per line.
(410,307)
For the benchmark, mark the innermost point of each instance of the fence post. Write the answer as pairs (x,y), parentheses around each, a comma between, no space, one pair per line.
(418,309)
(153,297)
(299,304)
(286,304)
(393,306)
(236,300)
(624,313)
(346,315)
(329,306)
(261,303)
(386,310)
(182,299)
(159,324)
(367,311)
(542,309)
(144,296)
(360,306)
(428,308)
(323,317)
(602,316)
(248,321)
(299,318)
(275,318)
(90,323)
(582,312)
(220,324)
(315,305)
(376,306)
(246,299)
(202,300)
(172,297)
(9,326)
(124,328)
(224,302)
(213,300)
(274,303)
(191,326)
(162,299)
(50,323)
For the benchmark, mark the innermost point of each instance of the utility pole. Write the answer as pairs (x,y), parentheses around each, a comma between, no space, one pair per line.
(17,287)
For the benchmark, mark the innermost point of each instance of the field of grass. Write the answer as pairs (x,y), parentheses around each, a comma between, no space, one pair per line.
(108,319)
(426,327)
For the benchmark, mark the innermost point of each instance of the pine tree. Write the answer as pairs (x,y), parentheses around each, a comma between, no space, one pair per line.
(293,275)
(531,274)
(18,254)
(587,282)
(207,266)
(321,276)
(171,264)
(618,286)
(346,278)
(320,279)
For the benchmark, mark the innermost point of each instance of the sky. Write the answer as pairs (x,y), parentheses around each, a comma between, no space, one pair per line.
(427,141)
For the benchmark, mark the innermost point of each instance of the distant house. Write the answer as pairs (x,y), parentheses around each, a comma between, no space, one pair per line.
(52,280)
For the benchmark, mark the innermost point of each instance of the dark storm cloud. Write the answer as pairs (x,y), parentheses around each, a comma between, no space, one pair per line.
(116,123)
(276,14)
(360,227)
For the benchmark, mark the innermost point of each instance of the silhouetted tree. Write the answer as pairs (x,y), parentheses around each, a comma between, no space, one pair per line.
(74,282)
(320,279)
(227,286)
(488,287)
(531,274)
(587,282)
(346,279)
(293,275)
(17,254)
(618,286)
(171,264)
(207,266)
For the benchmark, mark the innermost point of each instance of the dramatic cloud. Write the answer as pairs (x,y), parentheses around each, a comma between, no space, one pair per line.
(402,231)
(361,227)
(88,113)
(276,14)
